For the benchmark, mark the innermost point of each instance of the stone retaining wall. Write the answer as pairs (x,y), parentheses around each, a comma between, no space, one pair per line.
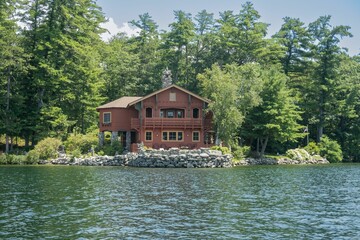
(172,158)
(179,158)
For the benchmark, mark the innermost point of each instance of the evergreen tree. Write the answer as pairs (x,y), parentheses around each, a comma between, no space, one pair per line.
(326,52)
(277,117)
(178,48)
(11,68)
(148,52)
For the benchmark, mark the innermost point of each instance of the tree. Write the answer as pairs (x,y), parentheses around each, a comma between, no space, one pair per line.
(120,69)
(177,44)
(295,39)
(344,116)
(233,91)
(326,53)
(277,117)
(11,66)
(221,89)
(62,40)
(147,50)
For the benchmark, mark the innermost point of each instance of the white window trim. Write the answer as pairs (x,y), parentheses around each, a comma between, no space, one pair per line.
(104,117)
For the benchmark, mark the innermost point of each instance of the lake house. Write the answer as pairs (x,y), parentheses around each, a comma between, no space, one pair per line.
(169,117)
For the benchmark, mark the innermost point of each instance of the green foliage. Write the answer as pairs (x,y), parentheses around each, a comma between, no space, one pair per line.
(240,152)
(111,149)
(47,148)
(80,143)
(234,91)
(331,150)
(32,157)
(12,159)
(224,150)
(298,154)
(277,117)
(312,148)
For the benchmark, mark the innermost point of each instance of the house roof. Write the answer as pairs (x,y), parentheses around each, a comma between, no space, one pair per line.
(166,88)
(122,102)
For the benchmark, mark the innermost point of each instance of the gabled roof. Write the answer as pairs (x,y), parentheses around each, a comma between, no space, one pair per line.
(122,102)
(166,88)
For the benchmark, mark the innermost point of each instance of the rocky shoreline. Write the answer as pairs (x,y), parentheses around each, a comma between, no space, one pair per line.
(280,161)
(178,158)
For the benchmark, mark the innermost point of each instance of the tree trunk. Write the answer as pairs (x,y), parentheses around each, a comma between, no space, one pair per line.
(217,140)
(27,140)
(7,111)
(263,146)
(6,143)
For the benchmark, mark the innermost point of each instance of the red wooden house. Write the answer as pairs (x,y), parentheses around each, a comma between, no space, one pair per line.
(169,117)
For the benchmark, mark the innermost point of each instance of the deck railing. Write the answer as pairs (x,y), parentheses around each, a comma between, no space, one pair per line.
(169,123)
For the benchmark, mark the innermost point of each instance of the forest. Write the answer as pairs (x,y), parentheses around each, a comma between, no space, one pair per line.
(271,93)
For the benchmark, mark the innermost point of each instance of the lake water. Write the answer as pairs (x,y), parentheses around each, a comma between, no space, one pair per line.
(263,202)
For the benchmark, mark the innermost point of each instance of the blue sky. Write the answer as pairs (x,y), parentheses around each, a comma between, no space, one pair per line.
(343,12)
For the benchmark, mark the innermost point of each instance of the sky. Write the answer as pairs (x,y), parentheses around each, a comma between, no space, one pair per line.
(343,12)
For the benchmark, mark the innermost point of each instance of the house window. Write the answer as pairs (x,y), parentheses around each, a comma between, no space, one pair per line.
(195,113)
(149,112)
(165,136)
(173,136)
(170,114)
(196,136)
(107,117)
(180,114)
(148,136)
(172,97)
(179,136)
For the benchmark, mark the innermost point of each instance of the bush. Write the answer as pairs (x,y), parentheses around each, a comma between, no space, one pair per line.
(48,148)
(80,143)
(111,149)
(224,150)
(330,149)
(32,157)
(312,148)
(12,159)
(3,159)
(298,154)
(240,152)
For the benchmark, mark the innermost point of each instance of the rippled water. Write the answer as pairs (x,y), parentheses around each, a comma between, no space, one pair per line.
(268,202)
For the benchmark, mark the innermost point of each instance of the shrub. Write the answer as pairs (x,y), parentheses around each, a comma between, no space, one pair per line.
(112,149)
(224,150)
(330,149)
(12,159)
(48,148)
(240,152)
(81,143)
(312,148)
(32,157)
(3,159)
(298,154)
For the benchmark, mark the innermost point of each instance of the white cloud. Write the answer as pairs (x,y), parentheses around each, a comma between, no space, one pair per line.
(113,29)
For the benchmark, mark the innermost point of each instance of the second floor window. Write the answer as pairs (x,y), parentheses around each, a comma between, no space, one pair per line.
(195,113)
(172,113)
(149,112)
(107,117)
